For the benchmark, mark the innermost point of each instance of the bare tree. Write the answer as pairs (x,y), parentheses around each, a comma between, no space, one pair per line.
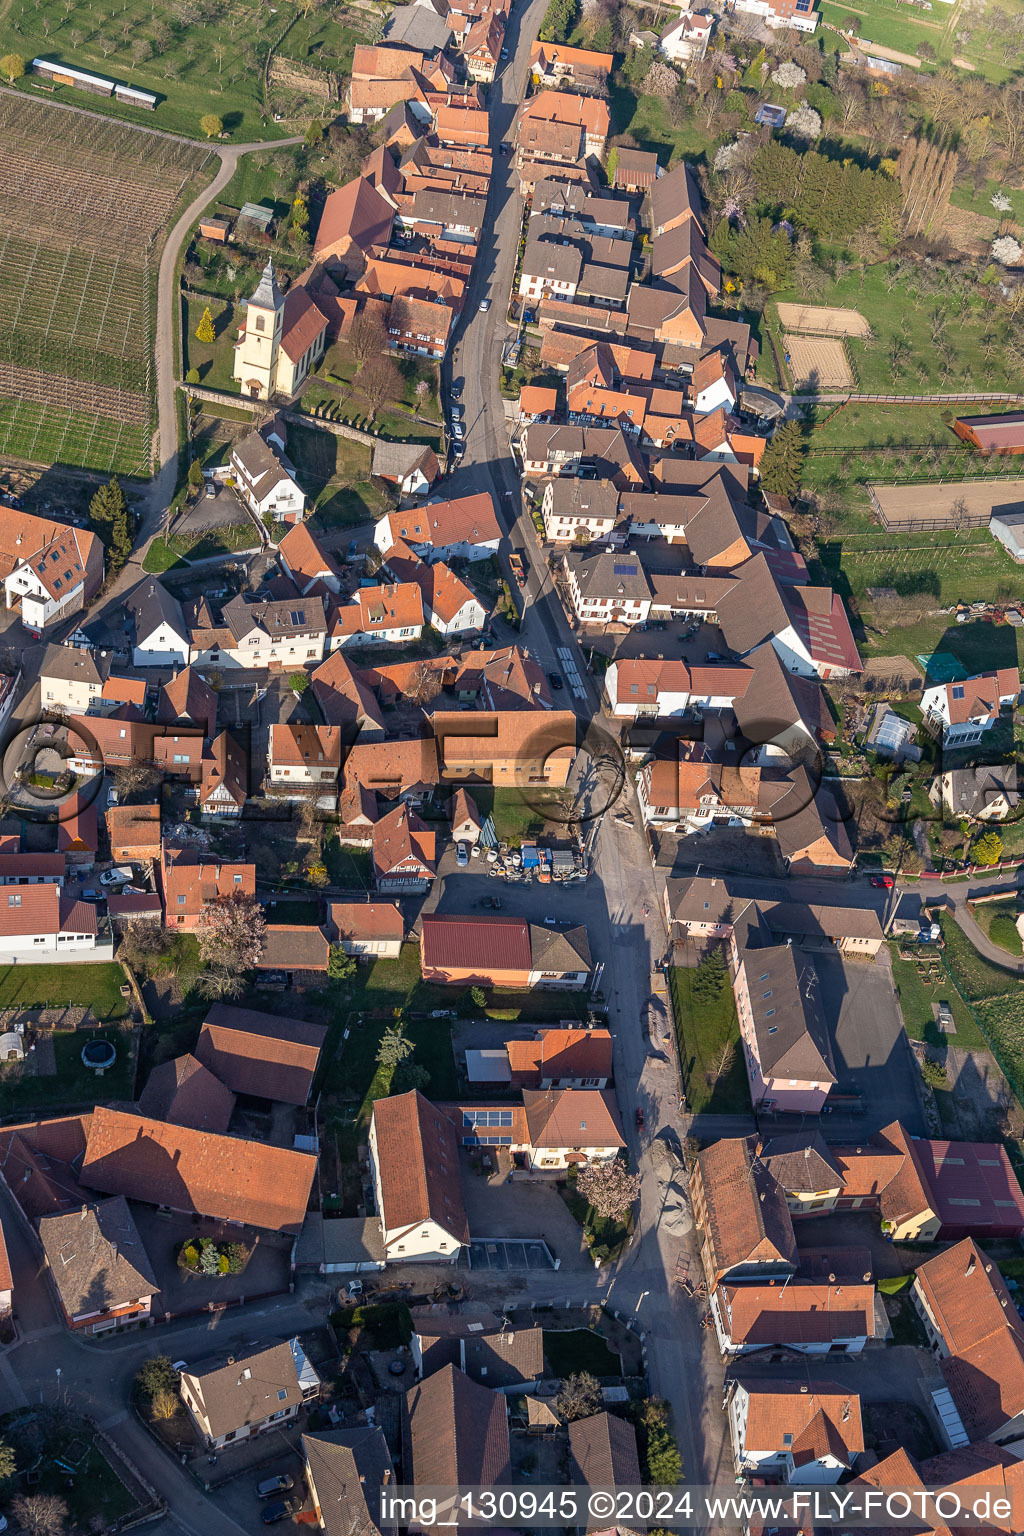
(579,1398)
(41,1514)
(137,773)
(380,381)
(368,336)
(425,685)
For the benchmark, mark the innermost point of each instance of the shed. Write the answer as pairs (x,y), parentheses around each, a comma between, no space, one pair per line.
(215,229)
(259,215)
(771,116)
(343,1245)
(1008,528)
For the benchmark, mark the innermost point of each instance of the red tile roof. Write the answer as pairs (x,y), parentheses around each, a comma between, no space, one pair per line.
(475,943)
(572,1117)
(458,1432)
(260,1054)
(366,920)
(184,1092)
(418,1165)
(797,1313)
(195,1171)
(200,881)
(467,520)
(402,844)
(305,557)
(819,618)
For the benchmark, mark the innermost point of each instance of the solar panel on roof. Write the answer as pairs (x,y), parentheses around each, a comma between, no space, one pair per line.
(624,570)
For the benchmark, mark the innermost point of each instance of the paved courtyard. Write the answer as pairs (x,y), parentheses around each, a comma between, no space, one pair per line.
(524,1208)
(872,1056)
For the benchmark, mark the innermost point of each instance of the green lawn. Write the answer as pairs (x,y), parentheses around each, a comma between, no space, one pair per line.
(996,919)
(73,1083)
(904,27)
(704,1033)
(336,473)
(213,361)
(519,815)
(198,62)
(976,976)
(52,986)
(605,1236)
(981,201)
(578,1349)
(95,1496)
(348,867)
(160,557)
(916,999)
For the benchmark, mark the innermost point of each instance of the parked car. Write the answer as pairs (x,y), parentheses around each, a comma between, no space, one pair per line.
(119,875)
(485,304)
(92,894)
(504,53)
(275,1512)
(112,796)
(461,855)
(458,431)
(456,390)
(282,1483)
(179,1365)
(555,681)
(883,882)
(456,413)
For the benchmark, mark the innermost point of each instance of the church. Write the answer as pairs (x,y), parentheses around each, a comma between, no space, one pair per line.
(281,339)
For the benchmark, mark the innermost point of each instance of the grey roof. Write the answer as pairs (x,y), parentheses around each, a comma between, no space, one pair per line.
(71,665)
(571,497)
(604,574)
(778,698)
(603,282)
(559,949)
(97,1257)
(258,459)
(185,1092)
(340,1240)
(347,1467)
(247,1390)
(546,258)
(789,1025)
(753,610)
(418,26)
(152,605)
(603,1452)
(801,1162)
(268,294)
(292,616)
(673,193)
(513,1357)
(449,208)
(804,811)
(397,458)
(973,790)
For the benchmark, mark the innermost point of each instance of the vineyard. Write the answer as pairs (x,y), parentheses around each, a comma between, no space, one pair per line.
(84,210)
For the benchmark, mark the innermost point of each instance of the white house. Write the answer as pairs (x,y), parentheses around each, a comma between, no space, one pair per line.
(161,634)
(809,1318)
(962,712)
(449,605)
(69,679)
(713,384)
(261,632)
(384,615)
(367,929)
(798,14)
(567,1126)
(414,1161)
(304,760)
(685,41)
(266,481)
(651,687)
(607,587)
(792,1431)
(247,1396)
(99,1267)
(466,528)
(39,923)
(305,561)
(52,570)
(572,508)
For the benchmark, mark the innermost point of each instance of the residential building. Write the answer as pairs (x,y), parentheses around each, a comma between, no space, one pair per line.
(502,952)
(449,604)
(266,482)
(807,1318)
(347,1468)
(346,701)
(404,852)
(280,341)
(645,687)
(370,929)
(603,1454)
(553,63)
(798,14)
(6,1280)
(636,170)
(561,1058)
(410,467)
(305,561)
(481,51)
(305,760)
(579,112)
(40,923)
(414,1161)
(99,1267)
(189,883)
(33,868)
(161,637)
(466,528)
(567,1126)
(196,1173)
(247,1396)
(974,1328)
(506,747)
(356,220)
(980,794)
(184,1092)
(224,776)
(794,1432)
(548,270)
(741,1213)
(960,713)
(259,1055)
(458,1433)
(579,510)
(49,569)
(786,1046)
(685,40)
(466,820)
(70,680)
(265,632)
(607,587)
(188,700)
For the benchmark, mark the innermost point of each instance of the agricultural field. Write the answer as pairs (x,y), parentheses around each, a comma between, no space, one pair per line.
(84,208)
(989,49)
(198,59)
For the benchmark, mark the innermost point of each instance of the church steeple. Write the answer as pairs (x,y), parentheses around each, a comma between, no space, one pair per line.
(268,295)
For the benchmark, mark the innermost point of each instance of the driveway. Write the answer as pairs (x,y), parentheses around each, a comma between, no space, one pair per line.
(524,1208)
(872,1055)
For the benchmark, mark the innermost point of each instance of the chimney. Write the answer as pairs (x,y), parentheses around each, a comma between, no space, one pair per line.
(805,1389)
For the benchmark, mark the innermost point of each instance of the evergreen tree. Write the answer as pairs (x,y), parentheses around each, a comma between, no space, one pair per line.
(783,462)
(204,330)
(195,475)
(108,515)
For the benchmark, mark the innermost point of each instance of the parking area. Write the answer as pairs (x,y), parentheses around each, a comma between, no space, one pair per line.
(267,1272)
(217,511)
(523,1218)
(872,1054)
(505,1255)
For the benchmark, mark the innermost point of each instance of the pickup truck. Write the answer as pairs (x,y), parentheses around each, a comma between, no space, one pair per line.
(518,566)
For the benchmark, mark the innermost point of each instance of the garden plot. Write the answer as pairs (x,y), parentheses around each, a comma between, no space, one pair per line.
(819,320)
(817,362)
(84,209)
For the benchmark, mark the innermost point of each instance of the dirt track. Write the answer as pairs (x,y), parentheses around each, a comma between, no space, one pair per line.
(907,503)
(822,321)
(818,362)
